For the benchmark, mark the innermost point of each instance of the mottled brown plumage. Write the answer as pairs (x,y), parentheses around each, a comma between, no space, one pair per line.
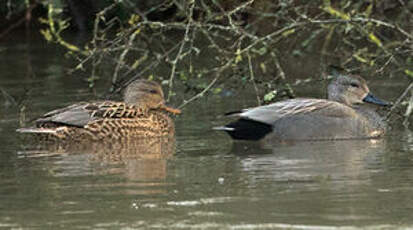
(142,114)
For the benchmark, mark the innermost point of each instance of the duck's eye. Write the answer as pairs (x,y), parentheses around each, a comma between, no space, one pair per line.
(355,85)
(153,91)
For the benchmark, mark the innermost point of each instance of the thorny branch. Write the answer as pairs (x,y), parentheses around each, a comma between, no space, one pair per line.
(183,42)
(208,39)
(399,100)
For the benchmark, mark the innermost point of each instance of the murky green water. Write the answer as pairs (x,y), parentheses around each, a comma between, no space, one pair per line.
(205,182)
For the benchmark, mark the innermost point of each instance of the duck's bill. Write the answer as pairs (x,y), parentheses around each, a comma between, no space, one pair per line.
(171,110)
(370,98)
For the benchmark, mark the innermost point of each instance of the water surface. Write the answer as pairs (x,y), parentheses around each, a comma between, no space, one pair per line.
(200,180)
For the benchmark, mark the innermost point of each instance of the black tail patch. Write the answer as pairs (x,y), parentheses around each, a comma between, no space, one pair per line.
(244,129)
(233,112)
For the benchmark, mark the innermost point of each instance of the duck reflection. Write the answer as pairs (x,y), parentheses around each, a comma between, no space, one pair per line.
(142,160)
(138,160)
(311,161)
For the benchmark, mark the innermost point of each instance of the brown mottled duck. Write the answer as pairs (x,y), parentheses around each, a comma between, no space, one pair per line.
(143,113)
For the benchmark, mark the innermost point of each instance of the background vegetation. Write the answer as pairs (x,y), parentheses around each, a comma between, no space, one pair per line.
(212,45)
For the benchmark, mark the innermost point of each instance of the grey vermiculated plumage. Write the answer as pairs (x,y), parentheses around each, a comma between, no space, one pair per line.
(342,116)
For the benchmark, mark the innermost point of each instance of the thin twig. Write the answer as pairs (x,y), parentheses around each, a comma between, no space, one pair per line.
(26,19)
(139,75)
(399,100)
(219,71)
(178,55)
(121,59)
(408,111)
(252,79)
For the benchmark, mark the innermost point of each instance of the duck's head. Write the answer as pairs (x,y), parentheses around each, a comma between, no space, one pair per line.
(144,92)
(351,90)
(147,93)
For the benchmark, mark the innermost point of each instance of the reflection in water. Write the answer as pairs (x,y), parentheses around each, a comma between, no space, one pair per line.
(143,185)
(309,161)
(324,180)
(141,159)
(408,136)
(98,179)
(303,185)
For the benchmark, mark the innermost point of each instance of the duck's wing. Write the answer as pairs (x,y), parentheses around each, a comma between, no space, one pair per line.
(269,114)
(74,115)
(81,114)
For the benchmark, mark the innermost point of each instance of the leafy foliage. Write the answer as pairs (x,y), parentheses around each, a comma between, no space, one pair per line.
(211,45)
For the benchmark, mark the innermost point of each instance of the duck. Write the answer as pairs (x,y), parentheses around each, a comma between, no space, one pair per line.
(343,115)
(142,113)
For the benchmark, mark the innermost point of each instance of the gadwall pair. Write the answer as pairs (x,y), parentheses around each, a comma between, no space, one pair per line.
(343,116)
(143,113)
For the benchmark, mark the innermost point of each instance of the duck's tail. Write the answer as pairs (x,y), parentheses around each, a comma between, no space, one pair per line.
(37,130)
(223,128)
(245,129)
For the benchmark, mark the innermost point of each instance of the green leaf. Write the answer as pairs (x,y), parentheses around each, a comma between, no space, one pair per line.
(363,60)
(348,28)
(134,18)
(288,32)
(183,76)
(238,56)
(368,10)
(269,96)
(409,73)
(46,34)
(336,13)
(216,90)
(79,66)
(261,51)
(375,40)
(139,61)
(263,67)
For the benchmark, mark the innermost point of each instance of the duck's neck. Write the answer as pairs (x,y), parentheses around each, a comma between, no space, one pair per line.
(340,99)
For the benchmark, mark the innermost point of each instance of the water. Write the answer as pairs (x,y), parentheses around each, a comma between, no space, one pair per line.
(203,180)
